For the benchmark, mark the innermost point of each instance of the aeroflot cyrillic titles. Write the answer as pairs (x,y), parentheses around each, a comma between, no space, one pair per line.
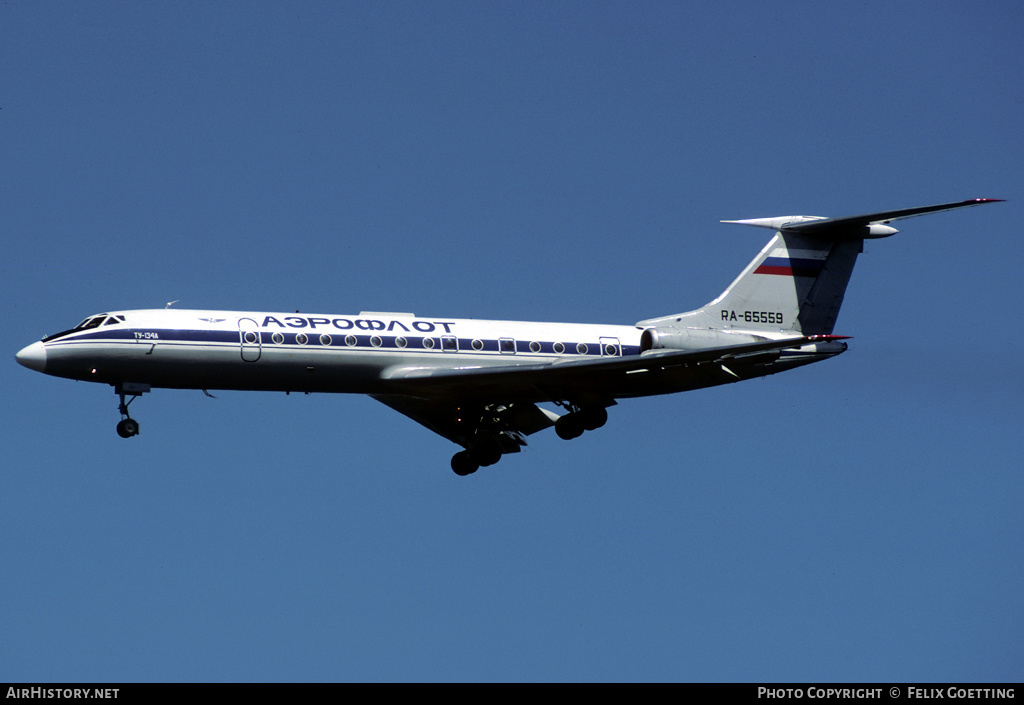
(341,323)
(480,383)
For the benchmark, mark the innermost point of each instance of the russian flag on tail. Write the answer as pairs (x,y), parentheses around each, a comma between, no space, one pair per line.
(791,264)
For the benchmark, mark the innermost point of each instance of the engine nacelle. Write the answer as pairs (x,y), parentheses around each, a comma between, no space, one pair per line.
(692,339)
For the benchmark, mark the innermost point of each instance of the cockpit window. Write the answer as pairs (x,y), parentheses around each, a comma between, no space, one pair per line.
(90,322)
(87,324)
(114,320)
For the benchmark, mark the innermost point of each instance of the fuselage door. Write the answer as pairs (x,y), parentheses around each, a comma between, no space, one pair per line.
(249,335)
(610,347)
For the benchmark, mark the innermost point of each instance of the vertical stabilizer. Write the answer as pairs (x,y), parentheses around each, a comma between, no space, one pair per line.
(798,281)
(794,284)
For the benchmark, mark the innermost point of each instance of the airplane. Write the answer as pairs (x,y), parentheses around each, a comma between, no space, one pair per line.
(478,383)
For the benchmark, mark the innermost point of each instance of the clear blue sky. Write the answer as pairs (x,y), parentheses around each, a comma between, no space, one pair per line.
(855,520)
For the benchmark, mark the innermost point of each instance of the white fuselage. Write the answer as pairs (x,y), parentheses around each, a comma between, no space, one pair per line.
(190,349)
(367,353)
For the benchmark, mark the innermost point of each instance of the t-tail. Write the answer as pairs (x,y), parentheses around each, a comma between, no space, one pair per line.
(795,285)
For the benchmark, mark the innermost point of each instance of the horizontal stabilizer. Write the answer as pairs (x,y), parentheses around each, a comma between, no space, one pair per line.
(854,227)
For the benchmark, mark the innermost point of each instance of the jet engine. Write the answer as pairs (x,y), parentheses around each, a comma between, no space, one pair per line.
(692,339)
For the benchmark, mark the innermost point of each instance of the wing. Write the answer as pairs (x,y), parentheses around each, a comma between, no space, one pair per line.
(463,423)
(466,404)
(601,380)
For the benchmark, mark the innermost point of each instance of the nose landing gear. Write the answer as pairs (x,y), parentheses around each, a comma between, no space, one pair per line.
(127,426)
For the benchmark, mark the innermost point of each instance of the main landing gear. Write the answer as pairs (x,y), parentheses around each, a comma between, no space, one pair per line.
(578,420)
(467,462)
(571,425)
(127,426)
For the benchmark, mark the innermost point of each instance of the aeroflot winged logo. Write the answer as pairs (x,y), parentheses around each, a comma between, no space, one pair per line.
(486,385)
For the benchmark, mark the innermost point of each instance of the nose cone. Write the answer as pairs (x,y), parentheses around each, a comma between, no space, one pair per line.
(33,357)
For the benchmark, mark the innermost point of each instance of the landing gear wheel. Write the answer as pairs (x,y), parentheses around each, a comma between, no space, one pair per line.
(594,418)
(486,454)
(568,427)
(127,428)
(464,464)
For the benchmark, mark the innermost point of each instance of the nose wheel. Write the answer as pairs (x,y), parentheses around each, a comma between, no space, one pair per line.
(126,428)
